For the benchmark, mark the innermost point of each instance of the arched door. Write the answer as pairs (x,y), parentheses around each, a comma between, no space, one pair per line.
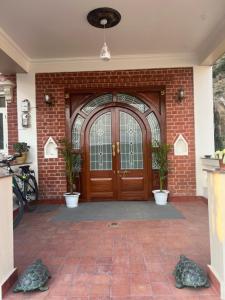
(117,164)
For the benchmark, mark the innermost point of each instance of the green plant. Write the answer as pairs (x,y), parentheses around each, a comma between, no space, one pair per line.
(160,153)
(21,147)
(72,162)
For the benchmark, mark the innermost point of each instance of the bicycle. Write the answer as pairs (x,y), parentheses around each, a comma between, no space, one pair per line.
(25,189)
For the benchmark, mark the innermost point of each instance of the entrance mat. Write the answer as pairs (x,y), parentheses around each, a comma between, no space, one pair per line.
(117,210)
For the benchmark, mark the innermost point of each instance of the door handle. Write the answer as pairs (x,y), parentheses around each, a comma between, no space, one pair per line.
(118,147)
(113,150)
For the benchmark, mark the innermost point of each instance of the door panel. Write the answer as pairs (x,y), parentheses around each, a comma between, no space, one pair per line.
(131,171)
(116,159)
(100,158)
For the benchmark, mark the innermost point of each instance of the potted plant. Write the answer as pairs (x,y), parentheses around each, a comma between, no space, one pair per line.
(160,152)
(72,166)
(221,156)
(22,149)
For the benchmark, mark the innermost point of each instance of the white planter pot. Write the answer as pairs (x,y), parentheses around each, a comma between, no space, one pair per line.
(71,199)
(160,197)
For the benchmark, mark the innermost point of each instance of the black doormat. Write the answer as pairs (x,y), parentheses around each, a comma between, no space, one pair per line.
(117,210)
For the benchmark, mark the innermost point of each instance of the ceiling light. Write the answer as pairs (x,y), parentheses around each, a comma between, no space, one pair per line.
(6,89)
(104,17)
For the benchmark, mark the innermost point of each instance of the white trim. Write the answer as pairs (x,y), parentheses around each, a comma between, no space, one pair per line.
(13,50)
(204,120)
(3,110)
(26,90)
(123,62)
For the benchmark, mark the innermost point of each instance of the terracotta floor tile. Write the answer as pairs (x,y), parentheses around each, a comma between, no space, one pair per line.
(161,288)
(99,290)
(120,290)
(131,262)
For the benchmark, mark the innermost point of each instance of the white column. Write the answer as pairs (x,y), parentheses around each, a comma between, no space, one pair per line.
(26,90)
(204,123)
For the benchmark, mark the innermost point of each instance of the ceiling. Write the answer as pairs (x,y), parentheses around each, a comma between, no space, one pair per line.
(8,65)
(59,29)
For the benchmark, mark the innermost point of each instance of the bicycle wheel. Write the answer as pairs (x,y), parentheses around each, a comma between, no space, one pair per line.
(18,209)
(31,193)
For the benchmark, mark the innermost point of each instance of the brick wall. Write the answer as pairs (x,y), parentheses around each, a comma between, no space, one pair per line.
(12,118)
(179,119)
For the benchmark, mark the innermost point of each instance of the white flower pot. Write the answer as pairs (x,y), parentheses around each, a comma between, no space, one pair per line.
(160,197)
(71,199)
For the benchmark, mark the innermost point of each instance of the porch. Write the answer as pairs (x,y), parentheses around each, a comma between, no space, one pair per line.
(133,260)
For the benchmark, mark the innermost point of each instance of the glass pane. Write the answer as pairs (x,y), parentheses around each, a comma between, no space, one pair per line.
(156,136)
(101,143)
(154,126)
(76,130)
(131,153)
(101,100)
(2,101)
(1,132)
(133,101)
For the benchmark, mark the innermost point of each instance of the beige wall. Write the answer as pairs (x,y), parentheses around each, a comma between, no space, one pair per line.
(216,206)
(6,230)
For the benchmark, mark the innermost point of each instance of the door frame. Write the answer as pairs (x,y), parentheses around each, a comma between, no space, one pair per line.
(146,134)
(75,99)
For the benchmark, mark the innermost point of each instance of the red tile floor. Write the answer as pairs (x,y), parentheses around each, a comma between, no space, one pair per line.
(134,261)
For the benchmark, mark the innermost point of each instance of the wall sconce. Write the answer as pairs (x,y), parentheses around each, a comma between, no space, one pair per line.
(6,89)
(48,99)
(180,95)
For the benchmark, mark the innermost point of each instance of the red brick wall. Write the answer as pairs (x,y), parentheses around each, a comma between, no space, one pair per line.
(12,118)
(179,119)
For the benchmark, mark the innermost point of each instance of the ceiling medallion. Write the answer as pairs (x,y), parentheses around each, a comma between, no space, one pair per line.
(104,17)
(112,16)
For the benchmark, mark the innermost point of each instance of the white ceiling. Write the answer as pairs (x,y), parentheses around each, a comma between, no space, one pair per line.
(59,29)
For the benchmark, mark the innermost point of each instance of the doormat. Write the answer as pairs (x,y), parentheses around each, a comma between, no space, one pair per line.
(117,210)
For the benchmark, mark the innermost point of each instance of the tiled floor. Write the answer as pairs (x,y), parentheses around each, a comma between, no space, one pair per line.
(134,261)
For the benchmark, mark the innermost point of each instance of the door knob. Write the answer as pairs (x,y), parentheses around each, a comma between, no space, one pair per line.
(118,147)
(113,150)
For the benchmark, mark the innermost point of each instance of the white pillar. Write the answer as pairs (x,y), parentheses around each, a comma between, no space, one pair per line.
(26,90)
(204,123)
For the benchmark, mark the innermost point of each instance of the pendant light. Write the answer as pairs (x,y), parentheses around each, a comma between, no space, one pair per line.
(105,53)
(104,17)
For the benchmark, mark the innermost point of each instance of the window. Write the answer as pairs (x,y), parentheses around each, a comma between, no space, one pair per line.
(3,127)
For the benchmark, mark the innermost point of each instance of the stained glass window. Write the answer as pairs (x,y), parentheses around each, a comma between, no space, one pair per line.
(133,101)
(101,143)
(154,126)
(131,152)
(101,100)
(76,130)
(155,132)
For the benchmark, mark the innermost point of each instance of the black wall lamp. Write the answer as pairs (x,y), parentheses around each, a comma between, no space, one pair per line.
(180,95)
(48,99)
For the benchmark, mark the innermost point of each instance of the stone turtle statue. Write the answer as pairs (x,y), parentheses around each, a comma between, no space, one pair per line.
(33,278)
(188,273)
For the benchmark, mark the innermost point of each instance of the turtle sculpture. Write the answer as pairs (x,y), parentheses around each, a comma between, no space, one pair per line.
(33,278)
(188,273)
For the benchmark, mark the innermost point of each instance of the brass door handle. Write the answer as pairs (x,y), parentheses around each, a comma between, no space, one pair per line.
(118,147)
(113,150)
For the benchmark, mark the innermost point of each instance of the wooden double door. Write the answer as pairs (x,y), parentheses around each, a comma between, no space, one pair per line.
(117,166)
